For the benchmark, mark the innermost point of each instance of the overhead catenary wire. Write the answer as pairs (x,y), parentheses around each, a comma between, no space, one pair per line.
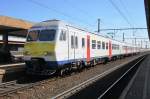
(129,15)
(58,12)
(86,13)
(120,12)
(138,28)
(85,23)
(124,15)
(80,10)
(126,10)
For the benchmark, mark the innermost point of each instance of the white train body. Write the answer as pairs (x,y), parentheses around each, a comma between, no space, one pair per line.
(69,45)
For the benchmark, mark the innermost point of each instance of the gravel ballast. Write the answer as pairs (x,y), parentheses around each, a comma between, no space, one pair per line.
(52,88)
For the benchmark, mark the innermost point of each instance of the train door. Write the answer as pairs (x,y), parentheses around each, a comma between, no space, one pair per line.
(72,46)
(76,48)
(83,48)
(110,50)
(88,49)
(62,44)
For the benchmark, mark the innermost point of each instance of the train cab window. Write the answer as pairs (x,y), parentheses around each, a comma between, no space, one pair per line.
(93,44)
(103,45)
(83,42)
(106,45)
(33,35)
(98,44)
(62,35)
(47,35)
(72,41)
(76,42)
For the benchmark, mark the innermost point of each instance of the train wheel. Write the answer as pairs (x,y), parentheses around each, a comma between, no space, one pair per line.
(105,61)
(68,70)
(79,66)
(61,72)
(94,63)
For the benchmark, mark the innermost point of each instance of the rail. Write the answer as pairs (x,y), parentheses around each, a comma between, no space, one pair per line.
(105,93)
(77,88)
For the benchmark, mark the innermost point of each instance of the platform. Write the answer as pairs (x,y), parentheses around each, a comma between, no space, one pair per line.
(139,86)
(11,27)
(11,71)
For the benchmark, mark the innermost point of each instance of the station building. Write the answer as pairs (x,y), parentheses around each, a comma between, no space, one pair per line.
(15,29)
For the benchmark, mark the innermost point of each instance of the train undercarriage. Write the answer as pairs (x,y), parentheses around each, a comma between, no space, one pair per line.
(38,66)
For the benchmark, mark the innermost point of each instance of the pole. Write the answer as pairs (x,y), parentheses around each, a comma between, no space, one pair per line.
(135,40)
(5,41)
(141,43)
(123,37)
(146,45)
(98,26)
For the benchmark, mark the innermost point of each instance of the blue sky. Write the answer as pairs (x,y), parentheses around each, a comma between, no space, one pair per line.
(81,12)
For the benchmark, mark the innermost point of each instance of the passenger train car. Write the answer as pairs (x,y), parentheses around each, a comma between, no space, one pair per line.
(56,46)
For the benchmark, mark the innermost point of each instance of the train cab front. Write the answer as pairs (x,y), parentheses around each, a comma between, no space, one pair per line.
(39,51)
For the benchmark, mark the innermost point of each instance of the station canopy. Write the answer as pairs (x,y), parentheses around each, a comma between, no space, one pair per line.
(147,10)
(13,26)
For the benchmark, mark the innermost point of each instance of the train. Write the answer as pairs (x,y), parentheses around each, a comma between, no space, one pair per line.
(55,46)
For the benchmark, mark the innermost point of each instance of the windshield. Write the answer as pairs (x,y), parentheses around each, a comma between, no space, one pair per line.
(33,35)
(43,35)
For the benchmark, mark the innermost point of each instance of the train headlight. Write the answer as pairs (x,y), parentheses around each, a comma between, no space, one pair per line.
(48,53)
(26,53)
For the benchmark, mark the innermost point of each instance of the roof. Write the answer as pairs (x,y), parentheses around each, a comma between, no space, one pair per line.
(147,10)
(56,22)
(9,24)
(48,23)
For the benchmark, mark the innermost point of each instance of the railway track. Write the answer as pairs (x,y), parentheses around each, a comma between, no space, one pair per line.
(10,87)
(14,87)
(86,89)
(111,91)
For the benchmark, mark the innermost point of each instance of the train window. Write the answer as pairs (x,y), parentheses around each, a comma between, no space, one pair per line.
(93,44)
(33,35)
(63,35)
(106,45)
(98,44)
(114,46)
(47,35)
(76,42)
(103,45)
(83,42)
(72,41)
(118,47)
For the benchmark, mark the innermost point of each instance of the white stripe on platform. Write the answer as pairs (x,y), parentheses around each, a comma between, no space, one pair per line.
(17,64)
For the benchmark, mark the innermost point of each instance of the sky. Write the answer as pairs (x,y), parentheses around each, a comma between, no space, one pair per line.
(84,13)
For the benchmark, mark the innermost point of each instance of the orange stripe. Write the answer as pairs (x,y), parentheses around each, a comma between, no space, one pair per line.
(88,48)
(110,50)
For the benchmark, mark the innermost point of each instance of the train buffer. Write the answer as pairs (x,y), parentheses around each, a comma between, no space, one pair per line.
(11,71)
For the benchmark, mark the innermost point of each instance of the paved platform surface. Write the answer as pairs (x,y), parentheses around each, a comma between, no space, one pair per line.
(139,86)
